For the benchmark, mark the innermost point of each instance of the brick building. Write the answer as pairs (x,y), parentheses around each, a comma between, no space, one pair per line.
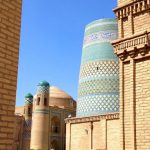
(10,19)
(40,122)
(97,121)
(133,48)
(128,129)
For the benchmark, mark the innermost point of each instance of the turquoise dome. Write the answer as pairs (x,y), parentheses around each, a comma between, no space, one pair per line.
(28,99)
(43,87)
(98,91)
(44,83)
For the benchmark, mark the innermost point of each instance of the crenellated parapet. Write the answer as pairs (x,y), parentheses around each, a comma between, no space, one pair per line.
(133,18)
(134,7)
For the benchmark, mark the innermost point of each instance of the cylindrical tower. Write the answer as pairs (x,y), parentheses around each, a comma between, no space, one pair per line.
(98,83)
(28,106)
(27,122)
(40,118)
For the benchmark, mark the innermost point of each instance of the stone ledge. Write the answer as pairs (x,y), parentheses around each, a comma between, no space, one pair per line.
(132,46)
(92,118)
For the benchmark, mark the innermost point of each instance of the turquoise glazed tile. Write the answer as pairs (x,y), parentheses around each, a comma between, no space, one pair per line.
(98,91)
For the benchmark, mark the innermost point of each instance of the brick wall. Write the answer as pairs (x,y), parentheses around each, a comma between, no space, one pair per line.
(126,104)
(97,133)
(123,2)
(18,132)
(113,138)
(142,105)
(10,18)
(141,22)
(80,137)
(135,104)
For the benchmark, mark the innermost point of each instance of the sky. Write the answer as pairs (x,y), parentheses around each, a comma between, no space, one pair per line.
(52,33)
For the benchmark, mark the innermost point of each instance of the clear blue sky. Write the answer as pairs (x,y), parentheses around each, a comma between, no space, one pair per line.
(52,34)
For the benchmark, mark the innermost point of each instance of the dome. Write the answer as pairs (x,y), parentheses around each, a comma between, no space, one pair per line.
(43,87)
(60,98)
(98,91)
(29,95)
(28,99)
(44,83)
(58,93)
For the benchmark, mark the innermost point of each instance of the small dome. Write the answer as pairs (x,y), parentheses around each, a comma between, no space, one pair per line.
(44,83)
(28,99)
(29,95)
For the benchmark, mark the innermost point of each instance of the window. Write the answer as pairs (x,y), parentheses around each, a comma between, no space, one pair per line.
(71,102)
(45,101)
(38,101)
(54,145)
(55,125)
(29,111)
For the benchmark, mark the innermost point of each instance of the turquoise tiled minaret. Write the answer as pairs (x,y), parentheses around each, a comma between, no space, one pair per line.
(99,80)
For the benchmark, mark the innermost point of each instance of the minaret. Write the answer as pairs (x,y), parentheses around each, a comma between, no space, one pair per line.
(40,118)
(98,91)
(27,122)
(28,106)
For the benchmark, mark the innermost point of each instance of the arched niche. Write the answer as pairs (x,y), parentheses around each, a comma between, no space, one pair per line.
(55,125)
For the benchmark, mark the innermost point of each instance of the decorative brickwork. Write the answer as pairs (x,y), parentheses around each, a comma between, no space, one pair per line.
(10,19)
(18,130)
(133,49)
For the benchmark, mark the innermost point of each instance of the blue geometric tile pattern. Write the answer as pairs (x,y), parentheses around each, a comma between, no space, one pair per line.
(98,91)
(43,87)
(29,99)
(27,129)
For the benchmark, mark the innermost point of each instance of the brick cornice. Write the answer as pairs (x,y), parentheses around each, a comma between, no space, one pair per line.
(92,118)
(132,46)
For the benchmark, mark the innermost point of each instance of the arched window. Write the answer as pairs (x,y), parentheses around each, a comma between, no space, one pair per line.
(29,111)
(45,101)
(38,101)
(55,125)
(24,110)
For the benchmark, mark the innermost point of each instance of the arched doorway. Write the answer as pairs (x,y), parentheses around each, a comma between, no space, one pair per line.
(55,128)
(54,145)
